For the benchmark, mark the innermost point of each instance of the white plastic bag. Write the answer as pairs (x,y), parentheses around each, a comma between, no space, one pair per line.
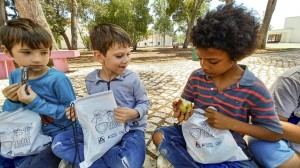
(20,134)
(100,130)
(209,145)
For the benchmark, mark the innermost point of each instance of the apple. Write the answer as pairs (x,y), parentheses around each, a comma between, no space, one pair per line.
(184,105)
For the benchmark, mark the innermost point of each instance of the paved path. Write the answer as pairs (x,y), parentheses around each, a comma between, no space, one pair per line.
(165,80)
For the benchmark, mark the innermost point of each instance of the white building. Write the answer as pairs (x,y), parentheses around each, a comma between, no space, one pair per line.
(289,34)
(156,40)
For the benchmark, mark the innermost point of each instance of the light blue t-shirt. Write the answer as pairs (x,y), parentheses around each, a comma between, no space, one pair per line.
(54,94)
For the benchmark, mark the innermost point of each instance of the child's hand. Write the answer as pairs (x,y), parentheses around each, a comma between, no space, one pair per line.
(10,92)
(179,114)
(218,120)
(70,115)
(124,114)
(24,97)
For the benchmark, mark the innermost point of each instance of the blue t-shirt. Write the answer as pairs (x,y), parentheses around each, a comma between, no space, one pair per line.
(54,94)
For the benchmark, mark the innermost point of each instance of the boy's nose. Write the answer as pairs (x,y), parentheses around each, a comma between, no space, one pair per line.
(126,59)
(203,64)
(36,58)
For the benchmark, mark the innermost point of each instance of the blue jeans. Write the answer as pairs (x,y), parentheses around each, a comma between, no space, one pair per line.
(132,148)
(45,159)
(173,148)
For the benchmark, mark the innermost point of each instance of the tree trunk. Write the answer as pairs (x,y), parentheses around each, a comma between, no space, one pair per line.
(134,46)
(191,22)
(263,31)
(3,16)
(33,10)
(66,40)
(164,39)
(74,24)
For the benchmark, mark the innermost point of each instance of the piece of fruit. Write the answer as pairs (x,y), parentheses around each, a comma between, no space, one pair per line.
(184,105)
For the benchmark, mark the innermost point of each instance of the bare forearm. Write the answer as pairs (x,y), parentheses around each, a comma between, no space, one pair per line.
(255,131)
(291,132)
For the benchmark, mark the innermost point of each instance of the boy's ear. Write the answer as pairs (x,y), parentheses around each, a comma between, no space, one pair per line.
(5,51)
(98,56)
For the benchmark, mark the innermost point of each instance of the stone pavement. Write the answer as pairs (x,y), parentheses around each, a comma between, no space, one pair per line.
(165,80)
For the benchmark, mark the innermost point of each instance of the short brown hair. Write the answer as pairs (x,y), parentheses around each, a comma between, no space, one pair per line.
(103,36)
(25,31)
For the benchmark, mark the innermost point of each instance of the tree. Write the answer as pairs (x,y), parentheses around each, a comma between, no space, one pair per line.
(74,23)
(56,14)
(132,15)
(185,12)
(140,19)
(163,24)
(4,4)
(33,10)
(3,15)
(263,30)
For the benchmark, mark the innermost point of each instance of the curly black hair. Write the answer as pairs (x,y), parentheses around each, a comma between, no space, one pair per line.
(229,28)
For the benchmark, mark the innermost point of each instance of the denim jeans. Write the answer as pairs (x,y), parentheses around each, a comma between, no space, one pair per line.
(173,148)
(45,159)
(131,148)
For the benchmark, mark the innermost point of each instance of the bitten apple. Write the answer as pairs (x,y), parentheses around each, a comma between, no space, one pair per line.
(184,105)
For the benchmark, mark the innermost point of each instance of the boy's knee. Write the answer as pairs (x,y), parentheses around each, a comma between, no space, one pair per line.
(157,138)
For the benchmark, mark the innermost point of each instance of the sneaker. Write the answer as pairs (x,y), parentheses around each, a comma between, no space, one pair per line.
(163,163)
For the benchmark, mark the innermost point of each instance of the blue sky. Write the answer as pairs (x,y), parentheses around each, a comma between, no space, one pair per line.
(284,8)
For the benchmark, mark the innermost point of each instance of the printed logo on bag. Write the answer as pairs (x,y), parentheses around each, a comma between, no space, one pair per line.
(122,132)
(198,145)
(207,144)
(101,140)
(218,142)
(112,135)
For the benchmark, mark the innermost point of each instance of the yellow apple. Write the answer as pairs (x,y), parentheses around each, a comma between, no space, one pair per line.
(184,105)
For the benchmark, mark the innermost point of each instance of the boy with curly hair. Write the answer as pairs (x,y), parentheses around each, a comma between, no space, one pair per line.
(222,38)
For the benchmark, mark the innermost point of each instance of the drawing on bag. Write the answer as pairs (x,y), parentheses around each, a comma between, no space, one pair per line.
(4,142)
(195,133)
(101,128)
(104,120)
(98,116)
(3,134)
(16,137)
(203,131)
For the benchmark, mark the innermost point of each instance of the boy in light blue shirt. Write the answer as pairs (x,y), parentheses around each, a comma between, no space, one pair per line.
(111,46)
